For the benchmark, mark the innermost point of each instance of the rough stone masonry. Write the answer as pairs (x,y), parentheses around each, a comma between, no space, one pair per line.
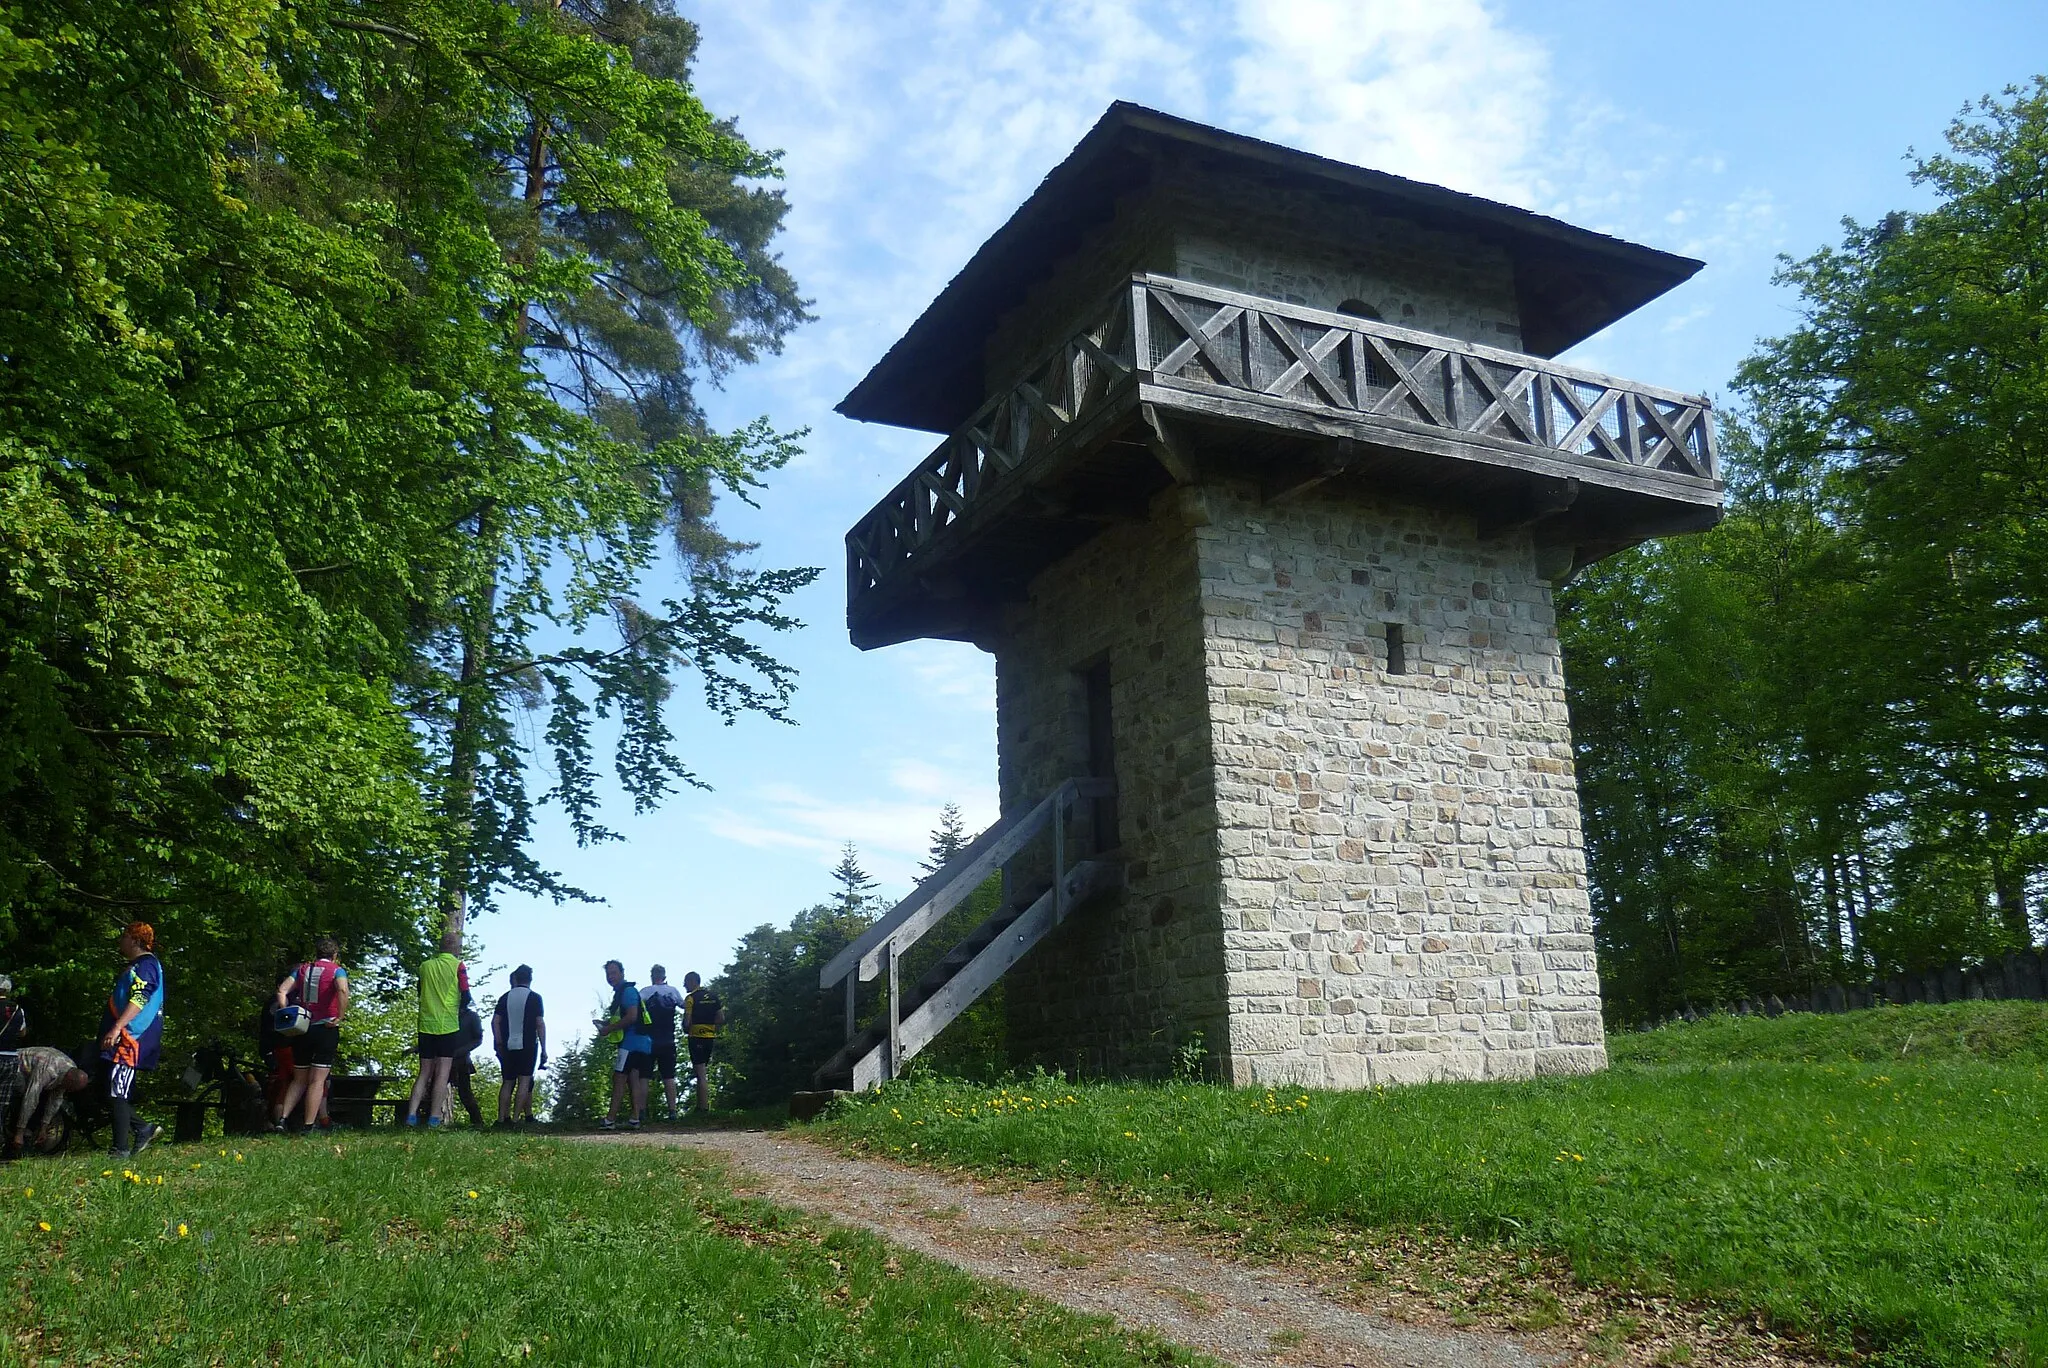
(1341,875)
(1345,808)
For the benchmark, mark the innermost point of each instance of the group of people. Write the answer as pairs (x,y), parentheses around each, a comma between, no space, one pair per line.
(641,1027)
(35,1079)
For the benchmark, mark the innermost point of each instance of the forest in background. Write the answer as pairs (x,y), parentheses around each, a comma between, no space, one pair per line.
(1813,743)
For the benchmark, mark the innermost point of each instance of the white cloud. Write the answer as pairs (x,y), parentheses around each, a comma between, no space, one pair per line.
(1438,90)
(890,821)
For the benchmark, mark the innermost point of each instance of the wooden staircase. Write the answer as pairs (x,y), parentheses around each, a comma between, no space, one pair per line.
(910,1021)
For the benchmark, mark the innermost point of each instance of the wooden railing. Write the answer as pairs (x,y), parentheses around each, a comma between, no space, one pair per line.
(1249,357)
(878,951)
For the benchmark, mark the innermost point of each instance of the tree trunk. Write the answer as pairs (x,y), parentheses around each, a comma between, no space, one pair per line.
(2009,892)
(472,699)
(465,745)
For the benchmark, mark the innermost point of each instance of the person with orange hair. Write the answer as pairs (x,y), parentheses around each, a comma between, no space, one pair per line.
(131,1034)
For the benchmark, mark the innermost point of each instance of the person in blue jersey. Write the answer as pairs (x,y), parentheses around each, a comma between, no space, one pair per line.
(624,1022)
(132,1035)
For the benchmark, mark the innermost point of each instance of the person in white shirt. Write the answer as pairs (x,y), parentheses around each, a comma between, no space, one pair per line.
(661,1002)
(519,1033)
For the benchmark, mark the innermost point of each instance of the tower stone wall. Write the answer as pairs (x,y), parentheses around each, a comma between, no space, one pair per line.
(1403,879)
(1340,875)
(1129,979)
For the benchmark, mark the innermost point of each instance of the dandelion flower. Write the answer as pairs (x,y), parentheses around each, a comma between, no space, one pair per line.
(43,1226)
(182,1232)
(472,1194)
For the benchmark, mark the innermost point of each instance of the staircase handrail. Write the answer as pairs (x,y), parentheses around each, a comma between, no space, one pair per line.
(949,886)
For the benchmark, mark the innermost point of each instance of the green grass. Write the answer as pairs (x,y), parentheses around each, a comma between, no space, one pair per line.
(1894,1210)
(2000,1032)
(475,1249)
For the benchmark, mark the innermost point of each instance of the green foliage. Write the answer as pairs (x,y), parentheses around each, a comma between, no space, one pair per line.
(780,1026)
(381,1029)
(1890,1209)
(346,402)
(976,1044)
(1812,742)
(558,1265)
(580,1088)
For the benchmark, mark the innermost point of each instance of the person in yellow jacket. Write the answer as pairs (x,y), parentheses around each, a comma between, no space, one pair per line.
(702,1015)
(444,988)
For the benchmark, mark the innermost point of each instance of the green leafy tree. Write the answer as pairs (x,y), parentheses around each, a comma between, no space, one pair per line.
(1812,742)
(345,367)
(782,1027)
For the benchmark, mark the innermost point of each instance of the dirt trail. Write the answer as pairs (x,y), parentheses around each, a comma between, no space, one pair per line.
(1093,1259)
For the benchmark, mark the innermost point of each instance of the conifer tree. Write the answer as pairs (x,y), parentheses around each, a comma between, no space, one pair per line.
(949,838)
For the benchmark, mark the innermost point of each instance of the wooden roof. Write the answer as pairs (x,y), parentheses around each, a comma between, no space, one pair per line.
(1570,282)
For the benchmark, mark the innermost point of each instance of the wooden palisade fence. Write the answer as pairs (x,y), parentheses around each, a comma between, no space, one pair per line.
(2020,975)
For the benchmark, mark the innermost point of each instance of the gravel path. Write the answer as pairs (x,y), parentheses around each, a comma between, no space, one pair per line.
(1107,1262)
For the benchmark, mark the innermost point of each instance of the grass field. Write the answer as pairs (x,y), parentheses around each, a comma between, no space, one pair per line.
(475,1249)
(1877,1181)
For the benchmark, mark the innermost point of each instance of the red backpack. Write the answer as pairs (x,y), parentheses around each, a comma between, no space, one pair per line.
(319,989)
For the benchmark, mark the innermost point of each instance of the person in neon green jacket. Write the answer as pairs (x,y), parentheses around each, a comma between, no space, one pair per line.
(444,987)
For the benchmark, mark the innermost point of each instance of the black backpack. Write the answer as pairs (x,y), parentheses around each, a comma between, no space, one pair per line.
(472,1028)
(704,1008)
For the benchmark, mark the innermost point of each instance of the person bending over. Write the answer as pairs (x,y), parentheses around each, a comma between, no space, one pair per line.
(47,1075)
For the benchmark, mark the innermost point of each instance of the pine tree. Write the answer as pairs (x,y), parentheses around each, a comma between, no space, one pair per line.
(949,838)
(856,895)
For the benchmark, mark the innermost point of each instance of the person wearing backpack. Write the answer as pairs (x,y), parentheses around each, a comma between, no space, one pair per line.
(703,1014)
(132,1036)
(662,1002)
(320,986)
(623,1022)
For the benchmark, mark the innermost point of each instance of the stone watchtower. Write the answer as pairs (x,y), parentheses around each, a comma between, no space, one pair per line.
(1257,483)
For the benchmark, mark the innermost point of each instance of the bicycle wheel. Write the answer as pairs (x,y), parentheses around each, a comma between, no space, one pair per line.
(54,1138)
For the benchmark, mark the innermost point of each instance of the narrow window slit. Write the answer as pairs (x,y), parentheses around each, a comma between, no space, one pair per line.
(1397,650)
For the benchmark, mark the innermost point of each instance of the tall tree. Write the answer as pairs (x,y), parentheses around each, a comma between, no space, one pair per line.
(949,838)
(1812,742)
(299,480)
(855,895)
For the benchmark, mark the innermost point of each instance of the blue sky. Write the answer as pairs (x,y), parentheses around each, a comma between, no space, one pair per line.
(1729,132)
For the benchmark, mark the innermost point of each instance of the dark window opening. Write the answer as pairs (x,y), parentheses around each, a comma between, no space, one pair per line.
(1397,650)
(1101,751)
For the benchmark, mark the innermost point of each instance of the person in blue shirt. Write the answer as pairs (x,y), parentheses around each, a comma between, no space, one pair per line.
(625,1025)
(132,1034)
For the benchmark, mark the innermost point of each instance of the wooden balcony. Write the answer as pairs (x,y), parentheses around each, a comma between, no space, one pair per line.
(1176,382)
